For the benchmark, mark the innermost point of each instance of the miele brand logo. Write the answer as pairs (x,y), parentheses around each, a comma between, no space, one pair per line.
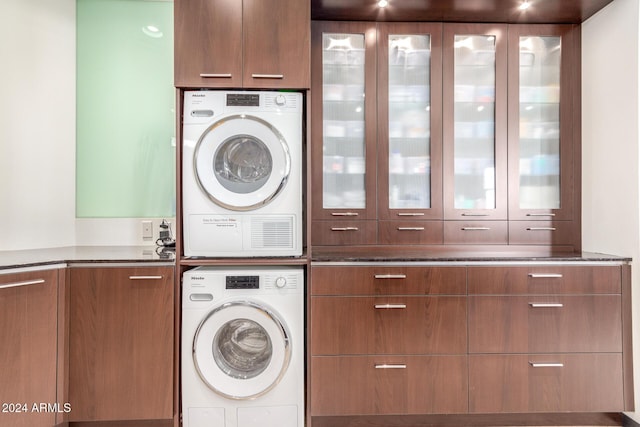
(197,277)
(200,95)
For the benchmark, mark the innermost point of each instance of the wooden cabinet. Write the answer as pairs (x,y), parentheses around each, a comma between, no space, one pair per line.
(472,339)
(388,340)
(242,43)
(445,134)
(546,339)
(29,336)
(121,343)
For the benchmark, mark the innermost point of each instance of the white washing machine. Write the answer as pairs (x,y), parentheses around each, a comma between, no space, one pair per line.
(242,174)
(243,347)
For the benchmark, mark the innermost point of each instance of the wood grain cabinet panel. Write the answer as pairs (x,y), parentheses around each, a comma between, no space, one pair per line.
(121,343)
(545,324)
(389,325)
(551,279)
(388,280)
(340,233)
(476,232)
(28,353)
(590,382)
(370,385)
(410,232)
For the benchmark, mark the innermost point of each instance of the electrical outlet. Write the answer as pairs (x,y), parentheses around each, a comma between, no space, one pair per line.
(147,230)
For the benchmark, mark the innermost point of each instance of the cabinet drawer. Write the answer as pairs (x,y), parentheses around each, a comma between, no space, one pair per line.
(545,383)
(385,325)
(541,233)
(343,233)
(376,385)
(549,279)
(476,233)
(545,324)
(410,232)
(388,280)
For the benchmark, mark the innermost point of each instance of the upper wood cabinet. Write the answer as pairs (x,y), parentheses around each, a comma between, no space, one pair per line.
(121,343)
(242,43)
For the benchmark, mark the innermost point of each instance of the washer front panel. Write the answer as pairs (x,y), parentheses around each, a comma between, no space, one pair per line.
(241,162)
(241,349)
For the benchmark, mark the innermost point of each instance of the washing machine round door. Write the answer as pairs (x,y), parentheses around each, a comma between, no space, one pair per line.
(242,349)
(242,162)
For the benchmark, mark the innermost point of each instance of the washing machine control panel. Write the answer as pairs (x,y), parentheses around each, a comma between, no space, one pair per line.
(243,282)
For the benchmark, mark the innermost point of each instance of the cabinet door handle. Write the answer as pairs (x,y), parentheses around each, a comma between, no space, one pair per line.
(410,228)
(215,75)
(546,365)
(541,229)
(545,275)
(474,214)
(541,214)
(344,214)
(267,76)
(545,305)
(390,366)
(390,306)
(344,228)
(390,276)
(145,277)
(410,214)
(476,228)
(25,283)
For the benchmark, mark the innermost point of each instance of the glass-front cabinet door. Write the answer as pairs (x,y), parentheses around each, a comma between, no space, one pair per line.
(475,133)
(410,123)
(541,80)
(343,132)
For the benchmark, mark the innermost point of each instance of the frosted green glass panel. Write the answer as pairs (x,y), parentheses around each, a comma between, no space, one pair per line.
(474,121)
(343,121)
(539,123)
(409,121)
(125,153)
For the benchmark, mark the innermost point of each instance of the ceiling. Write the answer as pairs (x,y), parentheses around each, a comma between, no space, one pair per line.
(541,11)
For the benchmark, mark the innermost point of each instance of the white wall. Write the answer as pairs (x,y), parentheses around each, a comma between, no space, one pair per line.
(37,123)
(610,154)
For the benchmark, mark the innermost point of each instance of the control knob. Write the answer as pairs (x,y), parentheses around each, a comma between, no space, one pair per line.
(280,101)
(281,282)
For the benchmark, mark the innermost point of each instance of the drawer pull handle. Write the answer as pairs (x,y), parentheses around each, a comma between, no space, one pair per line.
(344,213)
(545,275)
(390,366)
(145,277)
(546,365)
(545,305)
(541,214)
(541,229)
(216,75)
(390,276)
(474,214)
(344,228)
(25,283)
(390,306)
(475,228)
(267,76)
(410,228)
(410,214)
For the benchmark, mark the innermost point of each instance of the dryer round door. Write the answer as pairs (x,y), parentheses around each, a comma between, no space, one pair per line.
(242,162)
(242,349)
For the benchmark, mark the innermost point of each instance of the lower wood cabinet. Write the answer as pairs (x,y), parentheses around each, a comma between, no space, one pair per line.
(28,349)
(121,343)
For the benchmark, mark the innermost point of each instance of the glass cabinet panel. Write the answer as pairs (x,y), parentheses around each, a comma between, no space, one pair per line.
(409,121)
(539,150)
(474,121)
(343,88)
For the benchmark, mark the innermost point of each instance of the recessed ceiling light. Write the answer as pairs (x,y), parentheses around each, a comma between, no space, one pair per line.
(383,3)
(524,5)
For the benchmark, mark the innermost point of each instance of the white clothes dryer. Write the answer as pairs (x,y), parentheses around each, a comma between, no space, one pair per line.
(242,174)
(243,347)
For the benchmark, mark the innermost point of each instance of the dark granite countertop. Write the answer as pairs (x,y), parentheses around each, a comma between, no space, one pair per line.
(83,254)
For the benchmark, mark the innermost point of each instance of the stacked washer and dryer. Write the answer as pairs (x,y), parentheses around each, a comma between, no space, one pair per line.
(242,343)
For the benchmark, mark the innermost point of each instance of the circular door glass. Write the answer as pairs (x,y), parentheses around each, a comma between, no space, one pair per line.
(242,349)
(242,162)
